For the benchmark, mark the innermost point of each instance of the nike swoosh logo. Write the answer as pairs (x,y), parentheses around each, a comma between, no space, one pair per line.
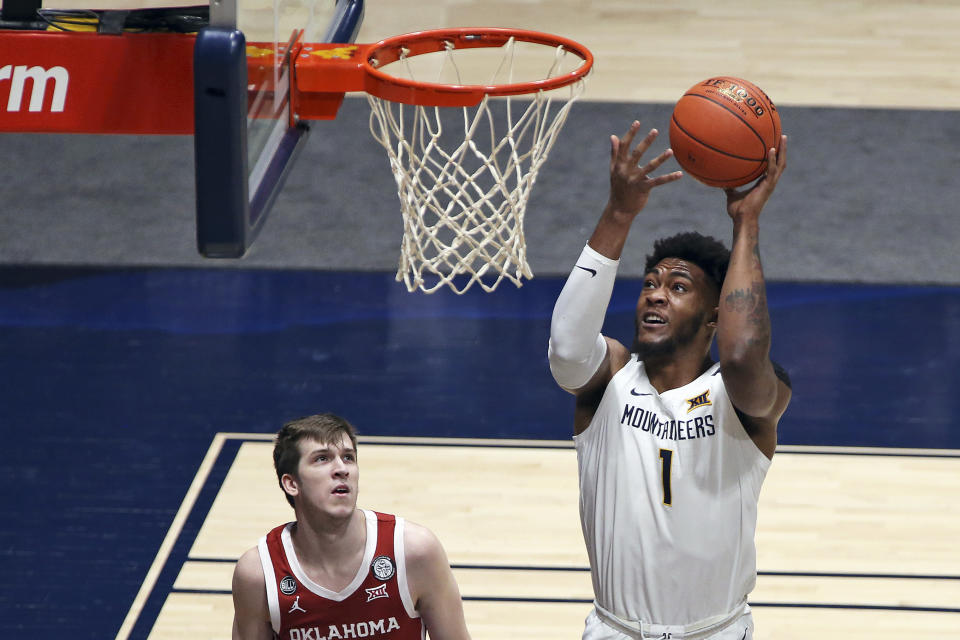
(634,392)
(592,272)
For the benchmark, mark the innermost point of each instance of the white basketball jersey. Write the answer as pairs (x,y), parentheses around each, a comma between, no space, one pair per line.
(669,485)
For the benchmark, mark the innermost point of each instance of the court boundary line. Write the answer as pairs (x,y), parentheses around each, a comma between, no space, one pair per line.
(437,441)
(569,444)
(781,574)
(868,451)
(771,605)
(173,533)
(221,438)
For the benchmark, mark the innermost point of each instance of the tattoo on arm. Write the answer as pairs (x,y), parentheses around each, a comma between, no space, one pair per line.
(741,300)
(752,302)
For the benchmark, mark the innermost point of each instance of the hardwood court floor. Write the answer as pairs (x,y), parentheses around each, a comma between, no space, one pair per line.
(851,542)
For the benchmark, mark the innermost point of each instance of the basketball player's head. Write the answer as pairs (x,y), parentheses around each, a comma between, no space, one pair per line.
(315,447)
(681,291)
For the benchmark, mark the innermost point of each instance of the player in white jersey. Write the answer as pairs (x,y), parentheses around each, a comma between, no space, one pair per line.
(672,447)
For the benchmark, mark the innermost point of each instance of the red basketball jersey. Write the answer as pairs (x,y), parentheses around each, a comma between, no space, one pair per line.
(377,604)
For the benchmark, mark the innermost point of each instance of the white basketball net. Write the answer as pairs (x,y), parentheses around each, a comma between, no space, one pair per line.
(463,196)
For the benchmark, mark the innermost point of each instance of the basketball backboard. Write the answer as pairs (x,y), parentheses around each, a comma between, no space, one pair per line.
(245,136)
(221,72)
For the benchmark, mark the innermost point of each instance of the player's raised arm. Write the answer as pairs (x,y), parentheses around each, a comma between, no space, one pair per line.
(581,360)
(743,331)
(630,186)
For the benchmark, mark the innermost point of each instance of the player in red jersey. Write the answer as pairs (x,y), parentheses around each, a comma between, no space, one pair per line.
(340,572)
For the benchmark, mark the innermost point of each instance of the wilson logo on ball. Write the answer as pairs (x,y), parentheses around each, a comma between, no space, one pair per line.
(736,93)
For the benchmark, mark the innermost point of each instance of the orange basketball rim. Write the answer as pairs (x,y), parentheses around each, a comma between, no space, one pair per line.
(337,68)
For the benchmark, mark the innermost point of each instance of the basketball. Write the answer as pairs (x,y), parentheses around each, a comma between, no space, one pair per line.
(721,130)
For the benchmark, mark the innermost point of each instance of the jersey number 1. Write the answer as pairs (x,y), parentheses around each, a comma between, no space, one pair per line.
(666,457)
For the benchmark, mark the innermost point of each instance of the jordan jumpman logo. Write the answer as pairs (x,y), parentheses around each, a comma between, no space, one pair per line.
(296,606)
